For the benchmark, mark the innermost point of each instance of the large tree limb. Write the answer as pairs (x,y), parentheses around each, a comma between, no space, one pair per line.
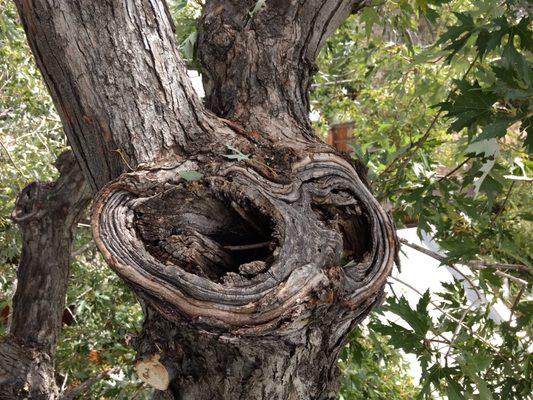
(117,81)
(258,63)
(47,214)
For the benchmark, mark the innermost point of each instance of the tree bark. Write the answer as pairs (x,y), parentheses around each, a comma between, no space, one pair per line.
(253,247)
(115,76)
(258,66)
(47,214)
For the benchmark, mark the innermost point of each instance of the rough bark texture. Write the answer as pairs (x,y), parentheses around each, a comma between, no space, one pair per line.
(47,214)
(253,246)
(114,73)
(258,67)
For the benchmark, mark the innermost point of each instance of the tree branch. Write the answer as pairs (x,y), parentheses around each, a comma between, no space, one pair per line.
(117,81)
(474,264)
(258,67)
(182,227)
(82,388)
(47,214)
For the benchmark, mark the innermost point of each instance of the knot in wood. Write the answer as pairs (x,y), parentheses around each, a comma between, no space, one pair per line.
(234,252)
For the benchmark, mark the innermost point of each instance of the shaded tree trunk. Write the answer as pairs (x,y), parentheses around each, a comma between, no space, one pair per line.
(253,247)
(47,214)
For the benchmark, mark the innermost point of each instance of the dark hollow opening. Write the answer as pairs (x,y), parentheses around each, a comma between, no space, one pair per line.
(353,224)
(206,233)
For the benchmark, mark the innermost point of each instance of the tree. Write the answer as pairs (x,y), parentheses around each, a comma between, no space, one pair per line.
(383,74)
(253,247)
(47,215)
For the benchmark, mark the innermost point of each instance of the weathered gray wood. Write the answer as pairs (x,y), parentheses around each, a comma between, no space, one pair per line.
(25,372)
(252,275)
(47,214)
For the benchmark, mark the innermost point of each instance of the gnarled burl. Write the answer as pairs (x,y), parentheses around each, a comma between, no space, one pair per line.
(253,247)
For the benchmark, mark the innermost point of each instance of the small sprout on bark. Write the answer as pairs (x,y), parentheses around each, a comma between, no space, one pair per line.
(237,154)
(188,46)
(258,7)
(191,176)
(349,264)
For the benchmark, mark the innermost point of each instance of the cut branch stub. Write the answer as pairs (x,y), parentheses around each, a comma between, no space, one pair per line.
(237,252)
(153,372)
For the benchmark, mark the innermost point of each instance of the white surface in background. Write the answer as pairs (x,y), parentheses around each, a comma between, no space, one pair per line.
(314,115)
(197,84)
(423,272)
(419,270)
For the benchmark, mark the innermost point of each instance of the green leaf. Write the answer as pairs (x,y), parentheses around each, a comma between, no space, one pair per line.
(400,337)
(421,307)
(487,148)
(257,7)
(513,60)
(191,176)
(423,5)
(457,35)
(482,42)
(477,362)
(418,319)
(470,106)
(484,391)
(459,247)
(496,129)
(524,32)
(453,390)
(188,46)
(485,169)
(370,17)
(474,363)
(238,155)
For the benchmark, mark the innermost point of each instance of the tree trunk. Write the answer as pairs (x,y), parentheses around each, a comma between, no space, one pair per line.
(253,247)
(47,214)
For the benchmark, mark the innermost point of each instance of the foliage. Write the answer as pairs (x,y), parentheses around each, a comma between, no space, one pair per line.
(184,14)
(372,369)
(422,109)
(440,93)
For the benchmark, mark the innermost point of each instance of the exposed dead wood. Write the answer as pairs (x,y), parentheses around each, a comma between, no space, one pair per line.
(154,373)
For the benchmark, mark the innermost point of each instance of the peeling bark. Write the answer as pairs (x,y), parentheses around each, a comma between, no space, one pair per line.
(47,214)
(253,269)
